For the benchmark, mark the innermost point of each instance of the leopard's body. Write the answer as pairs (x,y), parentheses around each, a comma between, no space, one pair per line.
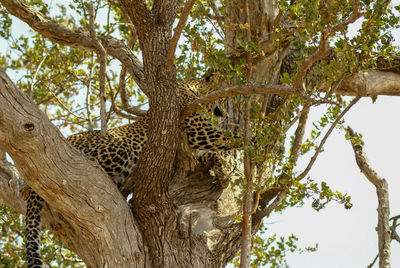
(118,153)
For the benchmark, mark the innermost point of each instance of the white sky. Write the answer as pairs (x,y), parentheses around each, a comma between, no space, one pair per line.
(346,238)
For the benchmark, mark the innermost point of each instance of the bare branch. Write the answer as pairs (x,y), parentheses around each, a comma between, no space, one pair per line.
(124,98)
(101,53)
(88,90)
(320,53)
(373,262)
(393,232)
(34,76)
(381,185)
(177,33)
(75,38)
(124,115)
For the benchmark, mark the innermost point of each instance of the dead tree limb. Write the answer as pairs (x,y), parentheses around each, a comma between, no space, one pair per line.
(381,185)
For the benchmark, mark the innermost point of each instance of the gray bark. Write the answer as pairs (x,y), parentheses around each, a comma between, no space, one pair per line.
(66,180)
(382,191)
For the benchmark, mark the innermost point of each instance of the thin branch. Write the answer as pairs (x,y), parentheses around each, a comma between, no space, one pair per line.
(320,53)
(177,32)
(294,155)
(299,133)
(88,90)
(373,262)
(318,150)
(101,53)
(122,87)
(393,232)
(268,209)
(163,7)
(34,76)
(217,15)
(355,15)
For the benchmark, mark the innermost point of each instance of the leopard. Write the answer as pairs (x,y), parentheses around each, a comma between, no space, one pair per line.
(118,153)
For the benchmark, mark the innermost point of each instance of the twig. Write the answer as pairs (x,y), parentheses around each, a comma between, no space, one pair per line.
(318,150)
(393,233)
(177,33)
(101,53)
(218,17)
(373,262)
(89,88)
(34,76)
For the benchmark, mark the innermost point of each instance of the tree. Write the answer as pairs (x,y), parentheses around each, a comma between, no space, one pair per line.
(293,55)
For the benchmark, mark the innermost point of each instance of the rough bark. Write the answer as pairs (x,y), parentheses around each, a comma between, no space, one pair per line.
(66,180)
(381,185)
(371,83)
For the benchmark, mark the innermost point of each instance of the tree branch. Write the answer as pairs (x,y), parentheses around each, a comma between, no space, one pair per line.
(177,32)
(381,185)
(101,54)
(79,190)
(370,83)
(10,185)
(233,91)
(75,38)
